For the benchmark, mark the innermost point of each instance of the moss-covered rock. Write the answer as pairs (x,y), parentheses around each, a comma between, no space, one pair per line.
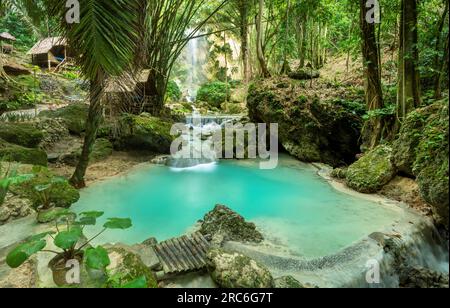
(229,224)
(127,266)
(49,215)
(303,74)
(288,282)
(422,151)
(17,153)
(308,128)
(74,115)
(23,134)
(339,173)
(372,171)
(431,164)
(233,270)
(60,193)
(102,149)
(144,132)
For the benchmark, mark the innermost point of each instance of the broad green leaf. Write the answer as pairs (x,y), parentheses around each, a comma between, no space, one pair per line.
(68,239)
(86,221)
(92,214)
(96,258)
(138,283)
(24,251)
(40,236)
(118,223)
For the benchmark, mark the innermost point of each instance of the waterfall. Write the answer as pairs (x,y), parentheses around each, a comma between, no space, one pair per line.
(198,146)
(194,58)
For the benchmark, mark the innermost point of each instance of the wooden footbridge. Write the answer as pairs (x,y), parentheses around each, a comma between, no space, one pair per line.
(183,254)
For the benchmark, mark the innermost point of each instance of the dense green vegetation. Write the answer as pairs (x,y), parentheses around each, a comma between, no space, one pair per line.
(361,90)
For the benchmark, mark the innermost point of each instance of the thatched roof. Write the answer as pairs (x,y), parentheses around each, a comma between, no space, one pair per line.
(45,45)
(127,82)
(7,36)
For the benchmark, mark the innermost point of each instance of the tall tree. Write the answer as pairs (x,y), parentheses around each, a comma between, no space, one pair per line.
(259,41)
(439,62)
(106,41)
(408,96)
(372,74)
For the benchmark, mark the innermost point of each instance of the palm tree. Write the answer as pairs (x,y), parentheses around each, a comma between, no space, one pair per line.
(105,42)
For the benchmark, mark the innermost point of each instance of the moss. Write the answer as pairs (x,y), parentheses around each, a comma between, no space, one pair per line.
(288,282)
(232,270)
(145,132)
(372,171)
(21,133)
(60,194)
(431,164)
(339,173)
(74,115)
(49,215)
(17,153)
(130,268)
(305,122)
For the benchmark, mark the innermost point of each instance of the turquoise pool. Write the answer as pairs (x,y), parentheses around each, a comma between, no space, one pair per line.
(291,204)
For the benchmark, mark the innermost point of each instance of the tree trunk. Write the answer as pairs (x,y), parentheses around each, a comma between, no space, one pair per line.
(438,63)
(443,64)
(244,12)
(409,81)
(260,52)
(92,124)
(372,134)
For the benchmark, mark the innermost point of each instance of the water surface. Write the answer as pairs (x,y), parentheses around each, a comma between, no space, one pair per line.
(292,204)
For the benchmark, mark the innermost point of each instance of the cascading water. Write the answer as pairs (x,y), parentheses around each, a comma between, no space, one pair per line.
(198,145)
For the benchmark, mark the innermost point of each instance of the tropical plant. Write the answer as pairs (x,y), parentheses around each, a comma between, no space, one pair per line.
(43,192)
(8,177)
(70,242)
(106,41)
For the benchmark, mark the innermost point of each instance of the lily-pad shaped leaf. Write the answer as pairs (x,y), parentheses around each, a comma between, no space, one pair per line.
(86,221)
(97,258)
(68,239)
(118,223)
(138,283)
(23,252)
(92,214)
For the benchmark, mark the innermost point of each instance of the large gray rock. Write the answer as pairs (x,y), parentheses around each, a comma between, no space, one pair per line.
(229,225)
(233,270)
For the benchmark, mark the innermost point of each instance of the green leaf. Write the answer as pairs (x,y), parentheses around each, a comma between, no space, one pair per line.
(92,214)
(68,239)
(23,252)
(138,283)
(40,236)
(86,221)
(97,258)
(118,223)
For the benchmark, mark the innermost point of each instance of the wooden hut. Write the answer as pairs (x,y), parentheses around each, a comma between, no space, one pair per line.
(127,93)
(49,52)
(6,42)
